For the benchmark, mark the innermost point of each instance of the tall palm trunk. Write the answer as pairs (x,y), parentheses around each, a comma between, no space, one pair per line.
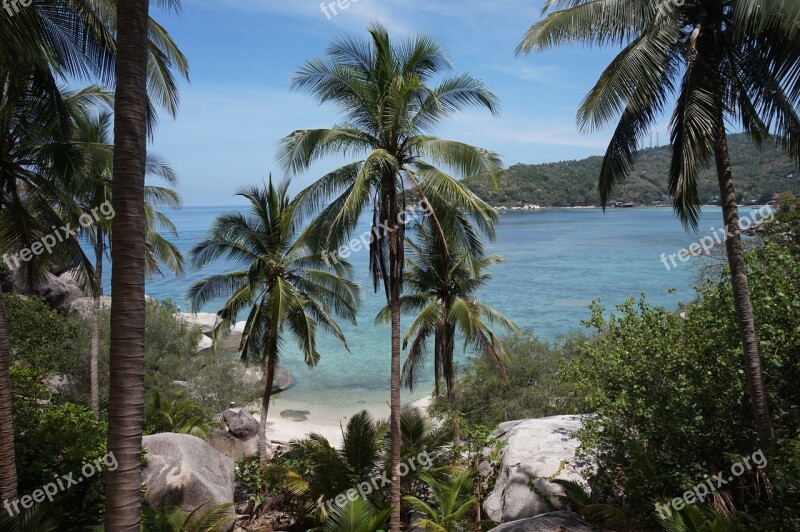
(395,281)
(448,348)
(126,384)
(741,287)
(264,451)
(94,354)
(8,465)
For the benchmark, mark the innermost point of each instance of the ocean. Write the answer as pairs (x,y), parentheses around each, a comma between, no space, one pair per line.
(557,262)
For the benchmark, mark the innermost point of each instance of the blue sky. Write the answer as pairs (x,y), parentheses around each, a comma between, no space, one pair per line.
(243,54)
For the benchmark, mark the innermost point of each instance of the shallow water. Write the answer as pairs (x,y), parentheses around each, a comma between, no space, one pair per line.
(557,262)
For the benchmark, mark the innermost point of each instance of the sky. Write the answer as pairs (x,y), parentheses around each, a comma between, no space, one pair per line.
(243,53)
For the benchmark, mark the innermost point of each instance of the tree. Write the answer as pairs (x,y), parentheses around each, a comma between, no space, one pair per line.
(49,42)
(286,288)
(441,281)
(93,135)
(452,501)
(724,60)
(380,87)
(126,360)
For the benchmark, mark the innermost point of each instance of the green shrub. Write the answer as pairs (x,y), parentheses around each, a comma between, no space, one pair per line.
(56,440)
(41,338)
(671,398)
(534,387)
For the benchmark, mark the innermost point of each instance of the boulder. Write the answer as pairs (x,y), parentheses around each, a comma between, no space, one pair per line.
(58,291)
(241,423)
(60,384)
(549,522)
(536,449)
(183,470)
(205,321)
(82,307)
(204,343)
(233,447)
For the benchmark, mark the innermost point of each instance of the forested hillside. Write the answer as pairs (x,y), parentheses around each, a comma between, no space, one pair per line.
(758,174)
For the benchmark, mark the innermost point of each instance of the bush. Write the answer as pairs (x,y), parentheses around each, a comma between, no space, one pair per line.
(56,440)
(671,398)
(534,387)
(41,338)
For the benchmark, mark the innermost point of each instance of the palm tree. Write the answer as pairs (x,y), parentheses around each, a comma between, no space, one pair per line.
(451,501)
(93,136)
(389,111)
(356,516)
(725,60)
(287,289)
(49,42)
(35,117)
(363,457)
(126,354)
(441,282)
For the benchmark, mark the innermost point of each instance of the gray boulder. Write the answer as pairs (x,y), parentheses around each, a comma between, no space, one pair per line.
(58,291)
(550,522)
(536,449)
(185,471)
(233,447)
(82,307)
(205,321)
(241,423)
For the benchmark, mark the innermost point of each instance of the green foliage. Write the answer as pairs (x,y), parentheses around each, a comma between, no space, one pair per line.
(58,440)
(533,389)
(204,518)
(670,393)
(316,473)
(357,516)
(760,173)
(175,411)
(40,337)
(785,229)
(449,502)
(39,518)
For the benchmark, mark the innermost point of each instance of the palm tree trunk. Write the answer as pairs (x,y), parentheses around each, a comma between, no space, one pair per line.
(8,465)
(126,383)
(395,280)
(94,374)
(448,349)
(264,451)
(741,288)
(437,362)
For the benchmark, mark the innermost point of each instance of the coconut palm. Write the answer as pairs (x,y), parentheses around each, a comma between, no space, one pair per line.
(441,282)
(36,155)
(363,457)
(286,288)
(724,60)
(380,86)
(126,353)
(93,189)
(451,501)
(48,42)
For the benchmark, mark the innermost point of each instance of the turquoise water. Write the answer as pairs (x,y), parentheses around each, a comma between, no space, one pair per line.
(557,261)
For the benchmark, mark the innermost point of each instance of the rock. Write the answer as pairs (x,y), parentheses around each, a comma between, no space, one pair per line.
(82,307)
(241,423)
(295,415)
(185,471)
(204,343)
(233,447)
(58,291)
(205,321)
(59,383)
(549,522)
(535,448)
(283,380)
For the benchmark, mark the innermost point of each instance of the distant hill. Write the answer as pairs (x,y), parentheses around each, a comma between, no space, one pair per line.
(757,173)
